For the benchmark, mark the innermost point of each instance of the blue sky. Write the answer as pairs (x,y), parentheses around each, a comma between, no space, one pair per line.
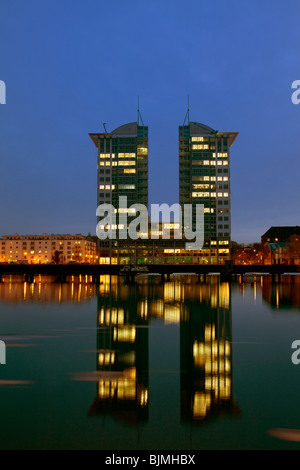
(70,65)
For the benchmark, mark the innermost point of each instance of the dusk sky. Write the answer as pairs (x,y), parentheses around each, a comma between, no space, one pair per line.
(71,65)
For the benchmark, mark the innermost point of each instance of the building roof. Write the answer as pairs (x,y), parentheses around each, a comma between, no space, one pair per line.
(129,130)
(198,129)
(282,232)
(126,130)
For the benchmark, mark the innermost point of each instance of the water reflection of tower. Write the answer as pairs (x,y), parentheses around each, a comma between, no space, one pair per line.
(206,353)
(122,352)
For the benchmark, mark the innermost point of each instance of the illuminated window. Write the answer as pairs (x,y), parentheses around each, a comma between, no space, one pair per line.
(127,163)
(201,186)
(197,139)
(126,186)
(129,171)
(200,194)
(200,147)
(142,150)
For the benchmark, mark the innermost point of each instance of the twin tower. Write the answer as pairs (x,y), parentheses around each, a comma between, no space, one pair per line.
(204,178)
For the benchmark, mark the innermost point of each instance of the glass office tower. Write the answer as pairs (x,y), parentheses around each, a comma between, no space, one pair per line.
(122,171)
(123,164)
(204,178)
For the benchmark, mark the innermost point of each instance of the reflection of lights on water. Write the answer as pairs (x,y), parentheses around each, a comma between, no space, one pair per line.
(143,399)
(277,297)
(113,316)
(142,309)
(125,334)
(106,358)
(213,356)
(201,405)
(122,389)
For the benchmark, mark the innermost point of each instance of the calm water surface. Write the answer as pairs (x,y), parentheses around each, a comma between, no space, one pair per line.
(176,366)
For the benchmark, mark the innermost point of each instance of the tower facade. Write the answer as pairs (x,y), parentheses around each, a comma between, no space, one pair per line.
(122,171)
(204,178)
(122,165)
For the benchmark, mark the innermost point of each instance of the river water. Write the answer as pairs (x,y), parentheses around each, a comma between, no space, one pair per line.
(179,365)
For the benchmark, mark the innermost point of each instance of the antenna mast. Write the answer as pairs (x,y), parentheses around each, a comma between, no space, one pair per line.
(139,116)
(187,116)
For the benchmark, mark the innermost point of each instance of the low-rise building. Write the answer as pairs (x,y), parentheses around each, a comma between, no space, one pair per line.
(282,245)
(42,249)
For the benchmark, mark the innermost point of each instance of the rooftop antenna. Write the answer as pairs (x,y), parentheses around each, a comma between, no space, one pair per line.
(187,116)
(104,125)
(139,116)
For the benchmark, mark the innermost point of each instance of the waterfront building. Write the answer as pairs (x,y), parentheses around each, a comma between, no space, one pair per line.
(122,170)
(281,245)
(204,178)
(41,249)
(122,165)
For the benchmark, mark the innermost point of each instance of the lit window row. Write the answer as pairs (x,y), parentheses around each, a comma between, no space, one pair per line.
(207,194)
(107,187)
(210,162)
(204,178)
(204,186)
(200,147)
(121,163)
(119,155)
(221,155)
(126,186)
(127,163)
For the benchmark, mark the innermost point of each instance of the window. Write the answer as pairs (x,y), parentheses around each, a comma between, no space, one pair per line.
(126,186)
(127,163)
(200,194)
(200,147)
(201,186)
(142,150)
